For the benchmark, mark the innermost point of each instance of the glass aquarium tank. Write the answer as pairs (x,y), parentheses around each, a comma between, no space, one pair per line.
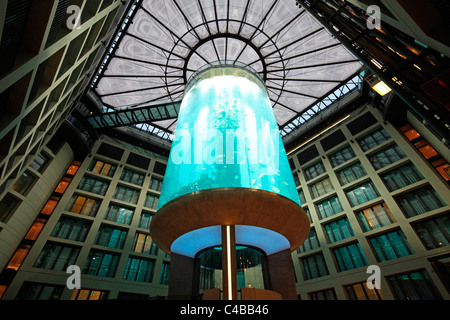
(226,137)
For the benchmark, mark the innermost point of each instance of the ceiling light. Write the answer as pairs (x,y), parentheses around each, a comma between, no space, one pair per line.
(381,88)
(377,85)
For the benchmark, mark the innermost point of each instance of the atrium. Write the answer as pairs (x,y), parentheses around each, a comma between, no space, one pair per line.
(96,98)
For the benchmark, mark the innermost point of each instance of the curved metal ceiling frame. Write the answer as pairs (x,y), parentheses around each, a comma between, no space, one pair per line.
(276,78)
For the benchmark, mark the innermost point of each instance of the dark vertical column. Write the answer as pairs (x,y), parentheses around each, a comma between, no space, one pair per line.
(181,277)
(229,263)
(282,277)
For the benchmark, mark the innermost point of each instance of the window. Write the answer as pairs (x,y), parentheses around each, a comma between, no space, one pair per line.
(351,173)
(433,157)
(329,207)
(118,213)
(132,176)
(414,286)
(301,197)
(349,257)
(7,206)
(93,185)
(88,294)
(83,205)
(307,213)
(56,256)
(73,168)
(341,156)
(143,243)
(339,230)
(373,139)
(310,243)
(71,229)
(138,269)
(145,219)
(322,187)
(39,291)
(126,194)
(359,291)
(165,271)
(391,245)
(426,149)
(362,193)
(328,294)
(420,201)
(374,217)
(40,162)
(386,156)
(156,184)
(110,237)
(23,184)
(151,201)
(101,264)
(442,167)
(314,266)
(401,177)
(314,170)
(50,205)
(435,232)
(62,185)
(19,256)
(103,168)
(296,179)
(35,229)
(410,132)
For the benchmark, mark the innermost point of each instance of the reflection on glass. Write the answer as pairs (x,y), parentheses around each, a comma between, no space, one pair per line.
(210,269)
(250,268)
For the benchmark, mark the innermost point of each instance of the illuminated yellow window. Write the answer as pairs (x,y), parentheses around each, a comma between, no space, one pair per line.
(85,294)
(381,88)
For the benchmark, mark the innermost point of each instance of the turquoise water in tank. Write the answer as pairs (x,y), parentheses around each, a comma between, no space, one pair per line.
(226,137)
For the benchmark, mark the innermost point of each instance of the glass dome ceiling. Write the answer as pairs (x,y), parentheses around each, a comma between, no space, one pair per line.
(163,42)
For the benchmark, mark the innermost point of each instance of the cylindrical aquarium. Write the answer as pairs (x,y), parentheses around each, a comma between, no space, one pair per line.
(226,137)
(228,166)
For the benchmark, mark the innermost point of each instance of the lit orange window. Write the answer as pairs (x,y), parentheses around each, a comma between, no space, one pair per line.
(84,294)
(35,229)
(412,134)
(62,186)
(2,290)
(106,169)
(428,151)
(73,169)
(18,257)
(79,205)
(98,166)
(50,205)
(443,168)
